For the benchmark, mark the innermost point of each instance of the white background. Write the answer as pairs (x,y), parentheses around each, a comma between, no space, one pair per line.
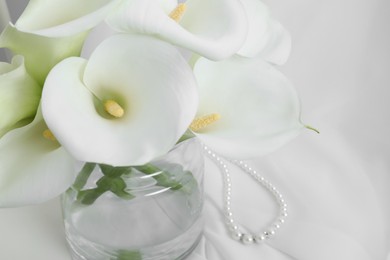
(337,183)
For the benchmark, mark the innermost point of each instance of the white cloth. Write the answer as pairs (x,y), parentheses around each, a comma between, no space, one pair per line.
(336,183)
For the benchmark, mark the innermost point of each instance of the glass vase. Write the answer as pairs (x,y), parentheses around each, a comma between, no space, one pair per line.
(148,212)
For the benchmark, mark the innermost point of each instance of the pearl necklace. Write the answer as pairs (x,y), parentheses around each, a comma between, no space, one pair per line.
(230,223)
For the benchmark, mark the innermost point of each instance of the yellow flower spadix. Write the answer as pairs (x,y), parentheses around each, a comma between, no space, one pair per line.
(49,135)
(200,123)
(113,108)
(178,12)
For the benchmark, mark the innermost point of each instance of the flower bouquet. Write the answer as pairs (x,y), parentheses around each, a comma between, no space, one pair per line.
(109,103)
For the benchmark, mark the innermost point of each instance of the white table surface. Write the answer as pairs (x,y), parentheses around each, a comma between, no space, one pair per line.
(337,183)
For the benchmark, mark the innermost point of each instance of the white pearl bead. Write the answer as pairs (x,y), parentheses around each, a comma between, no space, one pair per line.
(260,238)
(236,235)
(229,221)
(247,239)
(233,228)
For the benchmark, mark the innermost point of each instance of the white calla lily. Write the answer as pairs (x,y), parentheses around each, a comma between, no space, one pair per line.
(168,5)
(40,53)
(215,29)
(50,31)
(266,38)
(127,105)
(62,18)
(19,95)
(33,168)
(247,108)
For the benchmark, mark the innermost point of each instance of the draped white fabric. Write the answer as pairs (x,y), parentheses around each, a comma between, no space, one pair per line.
(336,183)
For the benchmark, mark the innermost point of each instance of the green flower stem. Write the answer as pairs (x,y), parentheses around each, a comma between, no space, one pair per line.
(187,135)
(116,185)
(111,181)
(163,178)
(88,197)
(114,172)
(83,176)
(312,128)
(166,179)
(128,255)
(191,183)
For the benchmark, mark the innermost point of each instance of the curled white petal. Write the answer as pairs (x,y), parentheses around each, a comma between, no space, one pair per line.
(167,5)
(215,29)
(60,18)
(278,47)
(33,169)
(266,38)
(40,53)
(258,107)
(147,77)
(19,94)
(96,36)
(258,22)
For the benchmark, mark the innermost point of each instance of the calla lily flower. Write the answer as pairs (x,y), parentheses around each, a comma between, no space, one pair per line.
(266,38)
(40,53)
(127,105)
(19,95)
(247,108)
(62,18)
(215,29)
(33,168)
(50,31)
